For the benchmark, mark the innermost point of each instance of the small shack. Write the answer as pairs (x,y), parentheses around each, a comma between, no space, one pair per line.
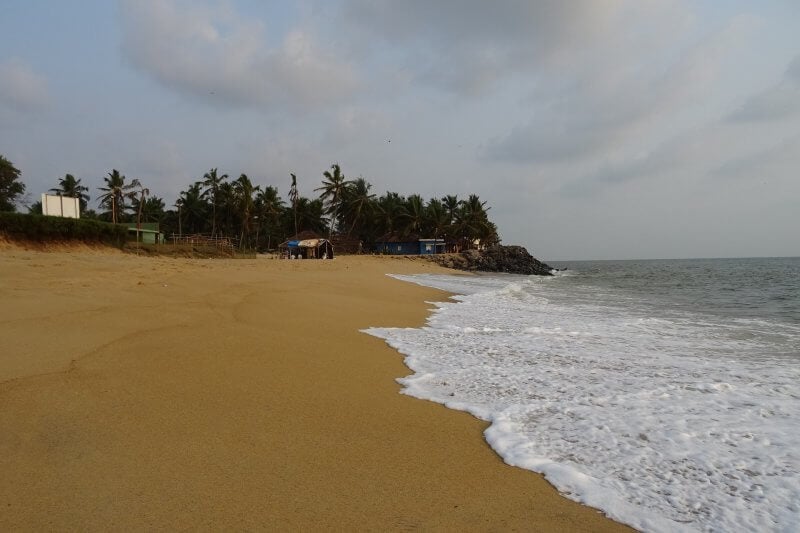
(431,246)
(306,245)
(393,244)
(146,232)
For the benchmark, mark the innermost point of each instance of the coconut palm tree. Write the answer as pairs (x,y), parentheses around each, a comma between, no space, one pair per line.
(293,197)
(193,208)
(227,210)
(332,193)
(153,209)
(116,193)
(436,219)
(269,208)
(451,205)
(70,187)
(358,202)
(390,212)
(310,215)
(212,182)
(472,220)
(244,191)
(143,192)
(415,215)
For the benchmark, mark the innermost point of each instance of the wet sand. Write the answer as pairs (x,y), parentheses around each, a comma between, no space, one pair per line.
(152,393)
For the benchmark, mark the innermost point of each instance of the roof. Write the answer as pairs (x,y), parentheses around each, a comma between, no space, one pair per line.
(305,234)
(304,243)
(143,230)
(396,237)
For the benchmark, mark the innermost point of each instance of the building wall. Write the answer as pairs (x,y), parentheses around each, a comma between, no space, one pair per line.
(397,248)
(61,206)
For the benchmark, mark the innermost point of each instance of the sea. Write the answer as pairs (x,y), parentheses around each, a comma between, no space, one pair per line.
(665,393)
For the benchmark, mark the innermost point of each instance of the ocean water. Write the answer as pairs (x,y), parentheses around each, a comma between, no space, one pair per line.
(665,393)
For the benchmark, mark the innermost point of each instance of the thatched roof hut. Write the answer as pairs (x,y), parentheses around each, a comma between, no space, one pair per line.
(307,245)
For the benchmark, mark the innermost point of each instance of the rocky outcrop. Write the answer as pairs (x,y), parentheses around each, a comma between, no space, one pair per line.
(510,259)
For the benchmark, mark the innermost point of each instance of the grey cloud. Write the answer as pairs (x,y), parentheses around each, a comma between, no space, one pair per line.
(592,185)
(466,46)
(778,160)
(610,104)
(21,88)
(218,56)
(777,102)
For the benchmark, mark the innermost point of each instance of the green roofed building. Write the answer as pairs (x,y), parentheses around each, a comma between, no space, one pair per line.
(148,232)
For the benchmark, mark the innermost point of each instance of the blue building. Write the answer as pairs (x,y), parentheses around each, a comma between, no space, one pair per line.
(409,246)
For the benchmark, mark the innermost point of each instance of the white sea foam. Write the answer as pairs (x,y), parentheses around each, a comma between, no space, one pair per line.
(665,421)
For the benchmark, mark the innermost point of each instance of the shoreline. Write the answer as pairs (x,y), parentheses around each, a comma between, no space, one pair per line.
(236,394)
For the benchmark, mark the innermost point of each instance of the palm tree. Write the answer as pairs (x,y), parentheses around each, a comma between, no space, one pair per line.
(193,208)
(244,191)
(358,202)
(415,215)
(436,219)
(143,191)
(116,192)
(269,207)
(390,212)
(472,220)
(332,192)
(310,215)
(153,209)
(227,209)
(70,187)
(451,205)
(179,205)
(212,182)
(293,197)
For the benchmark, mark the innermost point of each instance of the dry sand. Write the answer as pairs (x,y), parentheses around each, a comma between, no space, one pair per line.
(151,393)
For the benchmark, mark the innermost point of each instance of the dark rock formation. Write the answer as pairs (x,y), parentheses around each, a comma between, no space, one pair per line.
(510,259)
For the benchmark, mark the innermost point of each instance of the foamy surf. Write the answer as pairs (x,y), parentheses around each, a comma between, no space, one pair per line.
(665,419)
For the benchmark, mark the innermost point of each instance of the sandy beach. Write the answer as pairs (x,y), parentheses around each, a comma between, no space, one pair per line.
(143,393)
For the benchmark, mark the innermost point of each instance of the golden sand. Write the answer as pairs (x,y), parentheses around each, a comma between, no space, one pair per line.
(151,393)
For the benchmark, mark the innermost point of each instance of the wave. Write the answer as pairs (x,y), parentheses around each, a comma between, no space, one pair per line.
(663,419)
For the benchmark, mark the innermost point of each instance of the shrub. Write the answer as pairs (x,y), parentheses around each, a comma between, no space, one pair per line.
(42,228)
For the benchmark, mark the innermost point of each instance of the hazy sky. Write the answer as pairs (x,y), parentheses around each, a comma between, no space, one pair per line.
(593,128)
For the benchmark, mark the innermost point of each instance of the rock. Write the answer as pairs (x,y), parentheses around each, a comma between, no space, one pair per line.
(510,259)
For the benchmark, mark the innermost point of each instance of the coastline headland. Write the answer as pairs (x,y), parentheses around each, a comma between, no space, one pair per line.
(153,392)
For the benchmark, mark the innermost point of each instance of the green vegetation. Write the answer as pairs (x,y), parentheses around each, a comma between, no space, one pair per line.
(72,188)
(46,229)
(256,217)
(10,185)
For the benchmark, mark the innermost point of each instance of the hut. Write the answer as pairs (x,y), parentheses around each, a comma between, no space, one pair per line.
(394,244)
(306,245)
(146,232)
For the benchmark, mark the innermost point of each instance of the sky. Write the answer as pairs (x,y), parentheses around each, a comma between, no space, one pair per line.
(593,129)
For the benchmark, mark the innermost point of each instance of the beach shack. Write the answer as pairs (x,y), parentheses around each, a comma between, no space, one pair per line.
(306,245)
(393,244)
(146,232)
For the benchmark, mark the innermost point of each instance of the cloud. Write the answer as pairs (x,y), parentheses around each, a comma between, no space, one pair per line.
(775,162)
(213,53)
(468,46)
(777,102)
(619,97)
(21,88)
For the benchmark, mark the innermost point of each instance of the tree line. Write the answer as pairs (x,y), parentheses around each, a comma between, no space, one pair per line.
(256,216)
